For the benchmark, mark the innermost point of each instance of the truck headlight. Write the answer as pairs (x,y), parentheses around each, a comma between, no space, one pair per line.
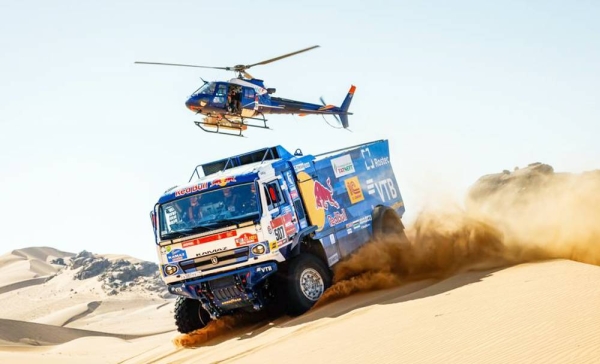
(259,249)
(170,270)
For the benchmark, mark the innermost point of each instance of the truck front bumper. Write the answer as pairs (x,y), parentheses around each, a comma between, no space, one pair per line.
(226,291)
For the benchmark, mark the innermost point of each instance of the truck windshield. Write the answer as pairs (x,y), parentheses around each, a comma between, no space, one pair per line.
(208,210)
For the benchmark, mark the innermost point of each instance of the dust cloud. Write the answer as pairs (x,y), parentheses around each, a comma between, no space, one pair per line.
(510,218)
(226,325)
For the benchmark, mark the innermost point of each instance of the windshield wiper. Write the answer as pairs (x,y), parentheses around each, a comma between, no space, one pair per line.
(175,235)
(233,221)
(199,229)
(186,232)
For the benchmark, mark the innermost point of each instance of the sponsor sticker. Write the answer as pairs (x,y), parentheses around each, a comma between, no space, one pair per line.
(192,189)
(246,238)
(286,222)
(354,189)
(324,195)
(338,217)
(342,166)
(176,255)
(222,181)
(208,239)
(301,166)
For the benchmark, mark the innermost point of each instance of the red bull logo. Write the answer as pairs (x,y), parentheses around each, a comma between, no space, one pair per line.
(222,181)
(195,188)
(337,218)
(324,196)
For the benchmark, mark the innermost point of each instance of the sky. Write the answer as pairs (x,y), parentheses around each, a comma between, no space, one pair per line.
(89,140)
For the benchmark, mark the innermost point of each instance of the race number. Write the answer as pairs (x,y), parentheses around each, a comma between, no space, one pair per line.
(280,234)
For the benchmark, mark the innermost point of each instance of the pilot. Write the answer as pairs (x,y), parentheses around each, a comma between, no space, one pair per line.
(229,199)
(234,100)
(194,211)
(249,201)
(230,99)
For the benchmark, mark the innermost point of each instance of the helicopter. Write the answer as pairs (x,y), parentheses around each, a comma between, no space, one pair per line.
(230,107)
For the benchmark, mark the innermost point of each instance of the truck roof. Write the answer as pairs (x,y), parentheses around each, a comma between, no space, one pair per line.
(240,174)
(244,168)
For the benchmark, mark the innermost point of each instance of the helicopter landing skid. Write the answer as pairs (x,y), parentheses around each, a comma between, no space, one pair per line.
(221,128)
(230,126)
(244,120)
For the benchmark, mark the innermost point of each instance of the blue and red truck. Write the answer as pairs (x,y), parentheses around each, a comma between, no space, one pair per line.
(269,226)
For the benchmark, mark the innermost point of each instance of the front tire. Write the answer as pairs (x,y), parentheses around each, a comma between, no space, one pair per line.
(308,278)
(189,315)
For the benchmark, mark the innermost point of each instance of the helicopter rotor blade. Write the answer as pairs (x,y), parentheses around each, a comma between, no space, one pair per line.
(184,65)
(281,57)
(334,115)
(240,68)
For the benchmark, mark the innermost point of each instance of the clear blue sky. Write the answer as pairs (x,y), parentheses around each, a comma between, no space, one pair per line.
(88,140)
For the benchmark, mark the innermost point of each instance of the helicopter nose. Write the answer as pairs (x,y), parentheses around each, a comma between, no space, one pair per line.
(192,104)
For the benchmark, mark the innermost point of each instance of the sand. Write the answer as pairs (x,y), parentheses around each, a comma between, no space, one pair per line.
(534,312)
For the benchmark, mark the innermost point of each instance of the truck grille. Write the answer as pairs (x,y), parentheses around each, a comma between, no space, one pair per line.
(217,260)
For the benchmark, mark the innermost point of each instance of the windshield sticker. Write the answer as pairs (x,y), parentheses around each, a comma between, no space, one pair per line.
(192,189)
(246,238)
(176,255)
(208,239)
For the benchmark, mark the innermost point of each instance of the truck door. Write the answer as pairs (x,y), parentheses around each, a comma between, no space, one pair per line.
(294,196)
(285,221)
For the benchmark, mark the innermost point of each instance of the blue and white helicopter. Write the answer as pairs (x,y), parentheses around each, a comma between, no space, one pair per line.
(230,107)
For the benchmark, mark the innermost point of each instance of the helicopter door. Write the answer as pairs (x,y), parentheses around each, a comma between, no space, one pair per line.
(220,96)
(248,98)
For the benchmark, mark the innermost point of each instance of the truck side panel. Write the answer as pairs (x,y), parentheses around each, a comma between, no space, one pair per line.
(340,192)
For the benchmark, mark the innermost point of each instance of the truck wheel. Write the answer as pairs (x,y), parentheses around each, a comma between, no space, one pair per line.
(386,222)
(189,315)
(308,277)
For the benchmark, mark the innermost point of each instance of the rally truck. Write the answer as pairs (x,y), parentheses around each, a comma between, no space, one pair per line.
(267,227)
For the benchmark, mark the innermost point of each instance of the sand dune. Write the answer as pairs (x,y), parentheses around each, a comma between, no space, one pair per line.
(533,312)
(41,334)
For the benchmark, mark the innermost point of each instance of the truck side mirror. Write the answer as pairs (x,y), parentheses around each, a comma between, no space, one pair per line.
(153,219)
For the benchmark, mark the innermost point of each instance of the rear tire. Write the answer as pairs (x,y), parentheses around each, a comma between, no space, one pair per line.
(388,224)
(307,279)
(189,315)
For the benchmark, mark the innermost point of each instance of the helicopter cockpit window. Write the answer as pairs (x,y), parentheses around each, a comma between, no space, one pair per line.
(222,90)
(207,89)
(249,93)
